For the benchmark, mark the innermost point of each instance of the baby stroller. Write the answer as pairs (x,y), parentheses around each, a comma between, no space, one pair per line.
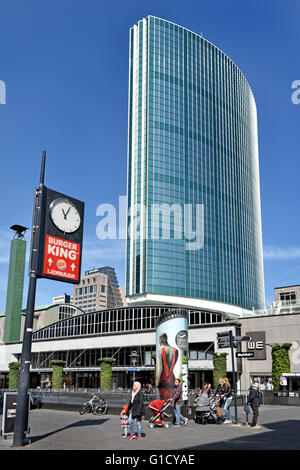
(158,408)
(206,410)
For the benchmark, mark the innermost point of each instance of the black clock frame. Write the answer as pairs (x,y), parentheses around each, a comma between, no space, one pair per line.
(47,227)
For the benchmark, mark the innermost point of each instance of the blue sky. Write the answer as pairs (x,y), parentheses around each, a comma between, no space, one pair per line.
(65,65)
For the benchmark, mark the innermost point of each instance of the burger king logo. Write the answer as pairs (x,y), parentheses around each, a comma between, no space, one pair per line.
(61,264)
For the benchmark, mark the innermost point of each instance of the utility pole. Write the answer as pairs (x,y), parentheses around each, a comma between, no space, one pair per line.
(22,397)
(231,339)
(245,369)
(47,229)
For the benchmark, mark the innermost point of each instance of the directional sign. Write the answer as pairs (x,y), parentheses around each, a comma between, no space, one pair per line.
(224,334)
(61,258)
(244,354)
(133,369)
(223,344)
(223,340)
(242,338)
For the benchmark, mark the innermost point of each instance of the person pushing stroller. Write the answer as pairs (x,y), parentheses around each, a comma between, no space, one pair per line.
(176,400)
(206,406)
(220,395)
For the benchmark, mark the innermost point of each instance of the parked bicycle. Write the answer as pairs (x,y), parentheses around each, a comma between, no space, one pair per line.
(96,406)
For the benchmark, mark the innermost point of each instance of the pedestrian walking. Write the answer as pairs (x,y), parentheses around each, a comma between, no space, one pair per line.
(207,389)
(176,400)
(124,420)
(135,407)
(148,393)
(227,400)
(254,401)
(220,394)
(203,395)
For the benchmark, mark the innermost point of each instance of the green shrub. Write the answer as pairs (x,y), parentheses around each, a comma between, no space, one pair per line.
(280,362)
(106,372)
(57,373)
(185,359)
(220,367)
(13,378)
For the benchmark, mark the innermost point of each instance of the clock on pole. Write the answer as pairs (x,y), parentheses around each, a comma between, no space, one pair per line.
(55,253)
(61,238)
(65,215)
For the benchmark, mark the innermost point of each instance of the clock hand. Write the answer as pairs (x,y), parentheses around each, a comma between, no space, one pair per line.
(68,211)
(65,215)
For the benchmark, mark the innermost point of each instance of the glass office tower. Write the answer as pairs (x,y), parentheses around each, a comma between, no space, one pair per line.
(192,169)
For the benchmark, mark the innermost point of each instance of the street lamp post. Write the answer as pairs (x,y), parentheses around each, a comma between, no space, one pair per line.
(133,360)
(22,397)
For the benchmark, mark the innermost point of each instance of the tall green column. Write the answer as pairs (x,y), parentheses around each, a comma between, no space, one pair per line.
(15,286)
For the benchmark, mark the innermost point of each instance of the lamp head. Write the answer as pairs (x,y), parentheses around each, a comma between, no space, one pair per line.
(19,230)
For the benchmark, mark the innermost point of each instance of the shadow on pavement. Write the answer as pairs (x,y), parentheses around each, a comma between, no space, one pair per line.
(79,423)
(284,435)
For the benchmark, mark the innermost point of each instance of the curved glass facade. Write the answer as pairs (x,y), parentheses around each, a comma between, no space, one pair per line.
(119,320)
(192,145)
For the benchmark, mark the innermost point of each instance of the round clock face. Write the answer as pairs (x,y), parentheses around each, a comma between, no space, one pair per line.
(64,215)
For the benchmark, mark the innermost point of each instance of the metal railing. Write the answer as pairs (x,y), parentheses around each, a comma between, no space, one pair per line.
(283,306)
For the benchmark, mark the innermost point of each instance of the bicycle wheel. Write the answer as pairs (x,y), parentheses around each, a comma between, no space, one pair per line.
(100,410)
(97,410)
(84,409)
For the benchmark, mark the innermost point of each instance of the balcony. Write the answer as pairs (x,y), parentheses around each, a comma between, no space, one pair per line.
(283,306)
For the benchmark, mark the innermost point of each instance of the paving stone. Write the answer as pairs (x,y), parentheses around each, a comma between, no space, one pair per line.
(66,430)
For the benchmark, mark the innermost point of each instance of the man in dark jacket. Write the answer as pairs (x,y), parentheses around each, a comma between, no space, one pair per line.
(254,402)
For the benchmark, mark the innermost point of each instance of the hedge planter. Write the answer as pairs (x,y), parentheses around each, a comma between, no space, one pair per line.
(220,366)
(13,379)
(106,372)
(280,362)
(57,374)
